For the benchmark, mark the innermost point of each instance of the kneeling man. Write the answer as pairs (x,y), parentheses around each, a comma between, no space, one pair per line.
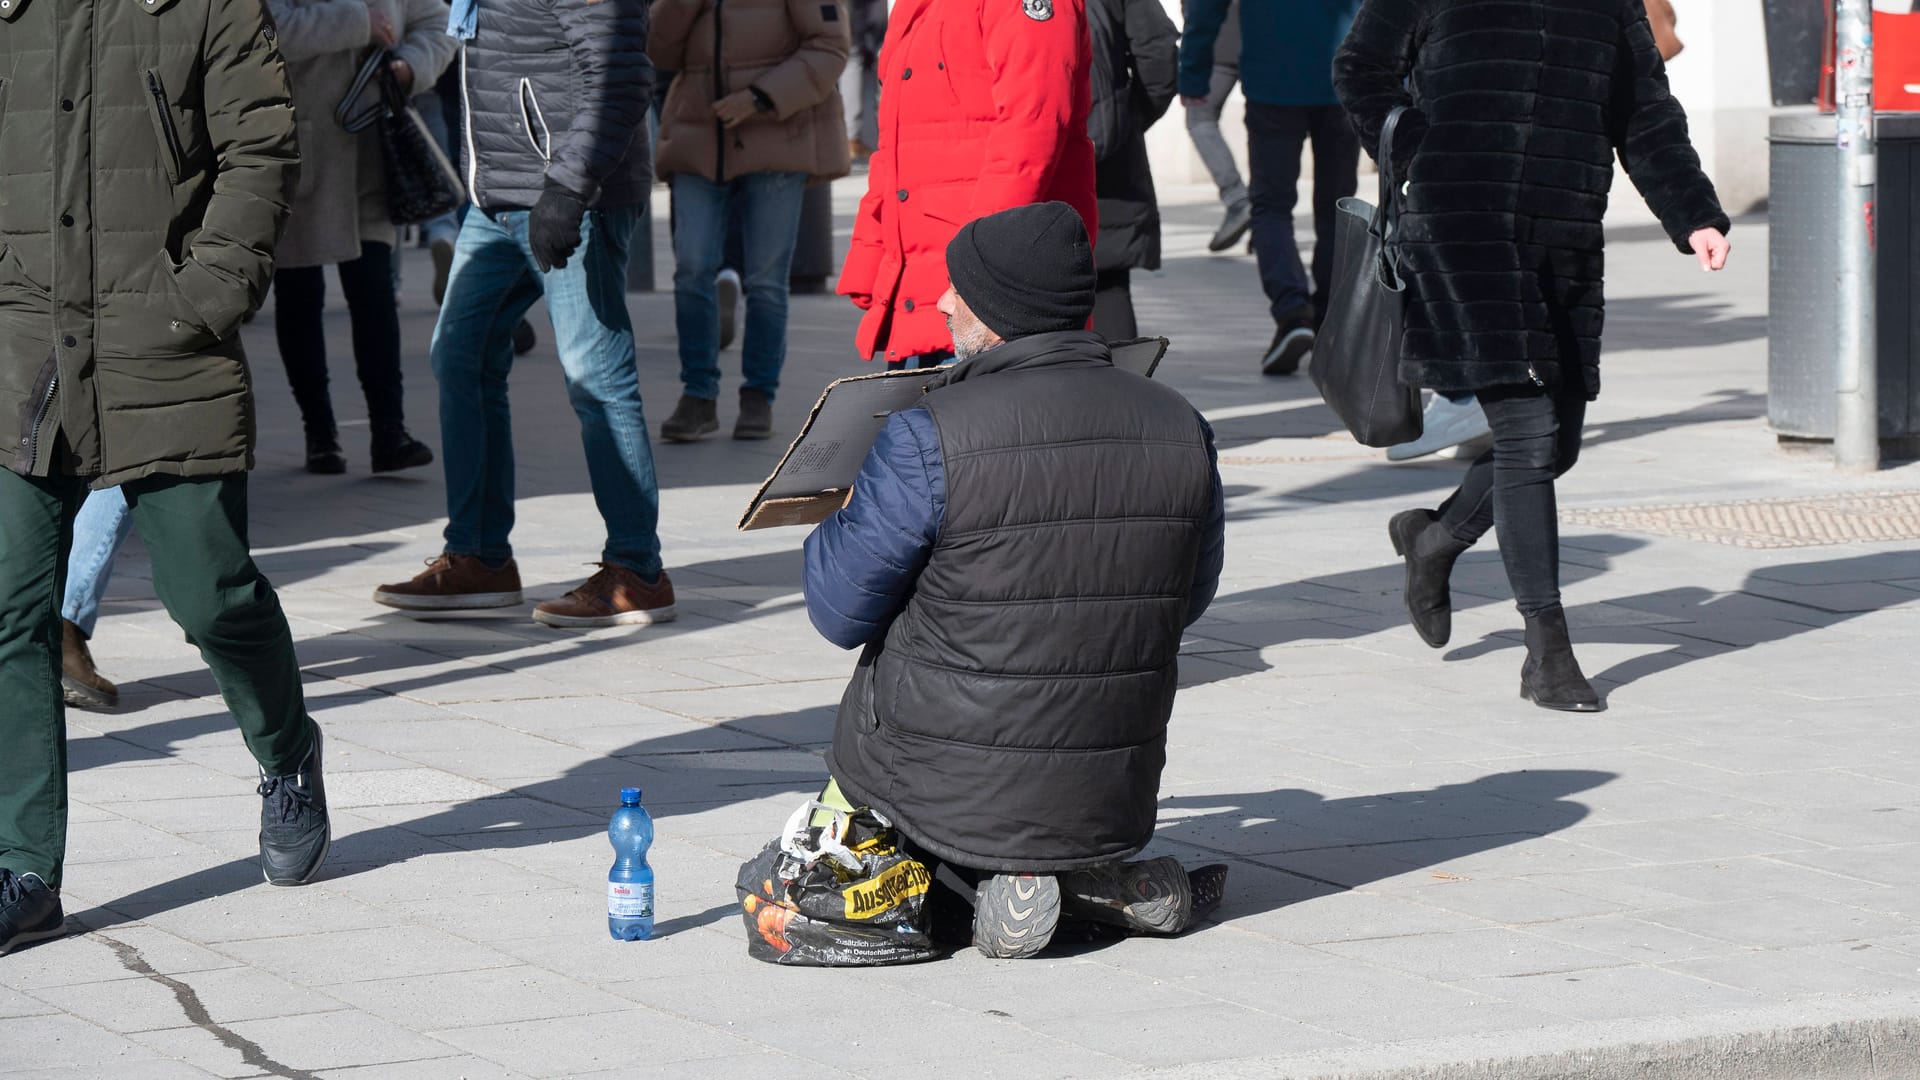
(1018,560)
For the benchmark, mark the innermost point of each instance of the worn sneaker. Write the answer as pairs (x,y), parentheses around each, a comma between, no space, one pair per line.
(83,687)
(616,596)
(1209,887)
(323,455)
(29,911)
(756,415)
(726,289)
(1292,345)
(1151,897)
(455,583)
(1238,220)
(1015,915)
(1445,423)
(693,418)
(393,449)
(294,830)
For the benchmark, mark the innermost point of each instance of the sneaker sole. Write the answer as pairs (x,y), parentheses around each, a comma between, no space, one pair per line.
(463,602)
(626,618)
(81,696)
(1294,350)
(34,937)
(1015,916)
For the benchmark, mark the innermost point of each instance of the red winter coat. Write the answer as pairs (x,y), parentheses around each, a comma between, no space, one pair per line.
(983,107)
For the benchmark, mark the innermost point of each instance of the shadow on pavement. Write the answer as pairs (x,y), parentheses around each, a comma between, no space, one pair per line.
(1772,605)
(1329,846)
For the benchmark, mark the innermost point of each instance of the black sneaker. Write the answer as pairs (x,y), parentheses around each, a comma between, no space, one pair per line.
(1209,887)
(1015,915)
(1292,345)
(294,830)
(693,419)
(1151,897)
(394,449)
(29,911)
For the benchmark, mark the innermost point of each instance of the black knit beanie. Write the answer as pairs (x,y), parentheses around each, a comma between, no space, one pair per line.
(1028,270)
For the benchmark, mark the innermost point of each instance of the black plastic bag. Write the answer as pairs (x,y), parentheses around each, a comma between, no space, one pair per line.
(840,895)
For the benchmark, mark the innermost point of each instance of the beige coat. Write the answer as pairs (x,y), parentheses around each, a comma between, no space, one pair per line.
(793,51)
(340,202)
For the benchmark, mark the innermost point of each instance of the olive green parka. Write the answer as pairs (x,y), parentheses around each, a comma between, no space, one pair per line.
(146,149)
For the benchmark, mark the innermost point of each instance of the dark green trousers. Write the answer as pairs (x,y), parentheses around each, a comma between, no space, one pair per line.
(196,532)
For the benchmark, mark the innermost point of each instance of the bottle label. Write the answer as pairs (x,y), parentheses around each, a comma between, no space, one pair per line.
(629,900)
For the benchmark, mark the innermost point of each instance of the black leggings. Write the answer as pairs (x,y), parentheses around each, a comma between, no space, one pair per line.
(1536,439)
(298,297)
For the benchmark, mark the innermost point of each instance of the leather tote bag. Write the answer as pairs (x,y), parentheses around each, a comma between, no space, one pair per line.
(420,182)
(1356,357)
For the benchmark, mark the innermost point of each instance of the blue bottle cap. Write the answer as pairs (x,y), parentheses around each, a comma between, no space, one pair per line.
(629,796)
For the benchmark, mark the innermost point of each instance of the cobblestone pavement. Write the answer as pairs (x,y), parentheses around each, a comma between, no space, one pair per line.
(1425,870)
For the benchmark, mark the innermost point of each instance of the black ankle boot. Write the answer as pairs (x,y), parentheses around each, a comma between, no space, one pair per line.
(394,449)
(1551,676)
(323,453)
(1430,551)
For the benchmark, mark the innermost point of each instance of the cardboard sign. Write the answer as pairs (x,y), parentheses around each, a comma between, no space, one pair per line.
(813,479)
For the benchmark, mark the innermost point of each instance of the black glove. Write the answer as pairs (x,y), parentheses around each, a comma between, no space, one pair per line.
(553,228)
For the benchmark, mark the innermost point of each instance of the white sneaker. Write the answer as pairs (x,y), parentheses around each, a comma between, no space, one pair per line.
(1444,424)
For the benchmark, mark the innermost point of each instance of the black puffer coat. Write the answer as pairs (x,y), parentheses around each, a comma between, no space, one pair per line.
(1519,108)
(557,90)
(1123,179)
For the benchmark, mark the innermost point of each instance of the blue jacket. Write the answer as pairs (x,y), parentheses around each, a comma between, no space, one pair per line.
(1286,48)
(862,562)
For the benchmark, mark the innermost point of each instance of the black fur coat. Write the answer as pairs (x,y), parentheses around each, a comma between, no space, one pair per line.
(1518,109)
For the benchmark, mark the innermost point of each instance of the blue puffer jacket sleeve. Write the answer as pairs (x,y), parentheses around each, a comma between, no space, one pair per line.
(862,562)
(1213,546)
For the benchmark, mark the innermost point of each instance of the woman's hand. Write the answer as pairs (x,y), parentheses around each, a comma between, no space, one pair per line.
(1712,248)
(382,27)
(735,109)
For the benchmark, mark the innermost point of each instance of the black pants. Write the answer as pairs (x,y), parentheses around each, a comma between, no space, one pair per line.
(1275,134)
(298,297)
(1536,439)
(1113,305)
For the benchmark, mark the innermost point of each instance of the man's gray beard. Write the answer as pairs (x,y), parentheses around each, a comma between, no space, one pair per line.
(974,345)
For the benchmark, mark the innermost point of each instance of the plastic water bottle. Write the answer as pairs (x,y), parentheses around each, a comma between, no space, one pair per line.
(630,882)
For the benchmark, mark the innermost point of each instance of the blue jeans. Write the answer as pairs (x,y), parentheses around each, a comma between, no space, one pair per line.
(1275,134)
(98,532)
(493,283)
(769,207)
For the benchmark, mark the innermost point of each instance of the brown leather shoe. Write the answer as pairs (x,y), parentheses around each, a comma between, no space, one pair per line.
(83,686)
(616,596)
(454,583)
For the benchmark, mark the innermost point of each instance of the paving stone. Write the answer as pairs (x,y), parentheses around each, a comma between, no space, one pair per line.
(569,1046)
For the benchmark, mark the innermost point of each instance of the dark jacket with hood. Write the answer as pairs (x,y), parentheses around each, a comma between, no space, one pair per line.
(1021,555)
(1147,48)
(557,91)
(146,148)
(1518,109)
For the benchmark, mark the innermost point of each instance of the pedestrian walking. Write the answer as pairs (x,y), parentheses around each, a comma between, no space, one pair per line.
(1509,147)
(1136,62)
(143,200)
(1203,127)
(752,118)
(984,108)
(557,93)
(339,216)
(1286,55)
(100,529)
(1009,710)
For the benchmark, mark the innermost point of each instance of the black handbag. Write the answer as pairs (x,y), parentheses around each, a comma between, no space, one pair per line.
(1356,355)
(420,182)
